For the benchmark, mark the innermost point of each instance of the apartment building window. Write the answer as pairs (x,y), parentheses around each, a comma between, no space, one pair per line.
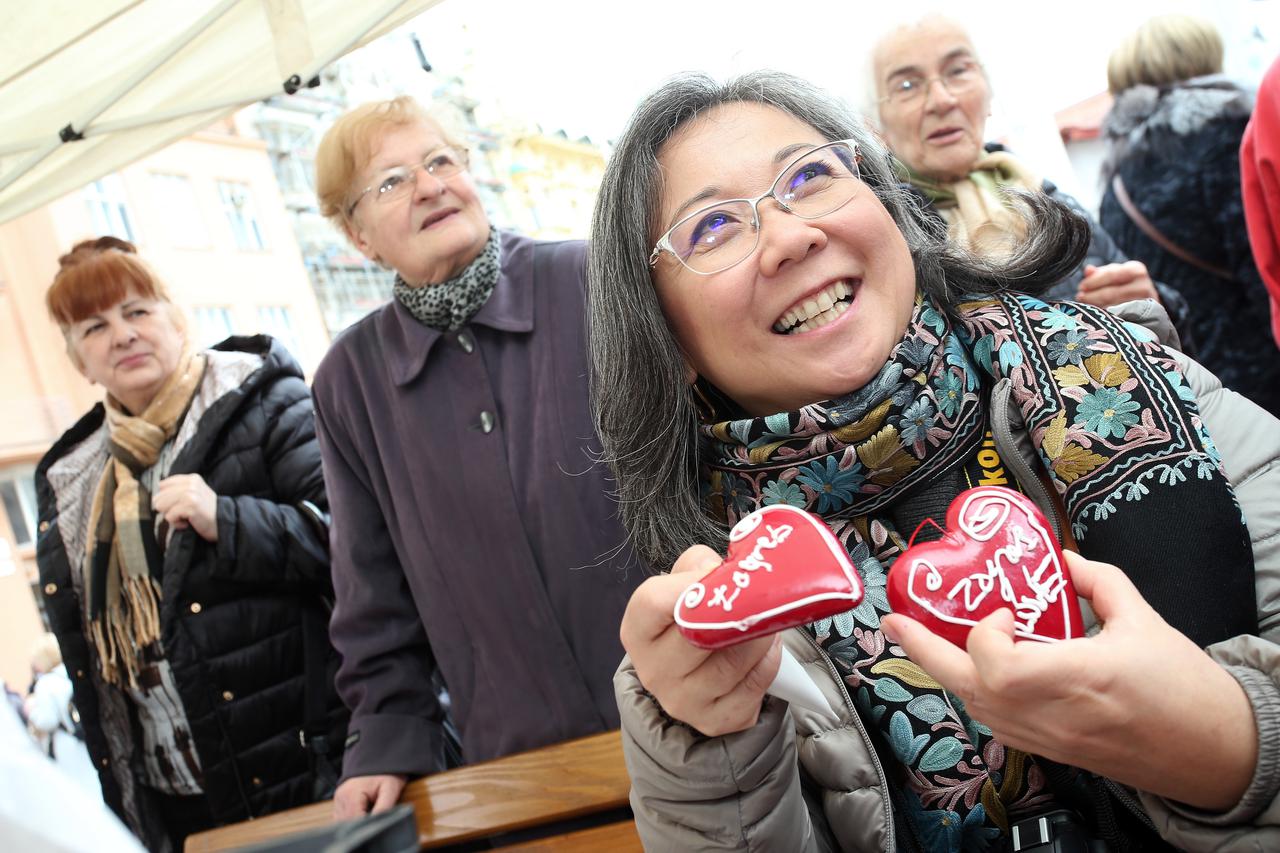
(242,215)
(213,324)
(177,201)
(108,209)
(276,321)
(18,494)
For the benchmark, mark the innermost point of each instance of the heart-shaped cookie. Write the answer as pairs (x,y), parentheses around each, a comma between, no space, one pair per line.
(997,551)
(784,568)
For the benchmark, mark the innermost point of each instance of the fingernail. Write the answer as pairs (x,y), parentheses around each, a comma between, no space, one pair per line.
(889,633)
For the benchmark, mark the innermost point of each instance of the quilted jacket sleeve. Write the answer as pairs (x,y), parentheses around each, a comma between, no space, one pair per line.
(692,792)
(1249,440)
(276,538)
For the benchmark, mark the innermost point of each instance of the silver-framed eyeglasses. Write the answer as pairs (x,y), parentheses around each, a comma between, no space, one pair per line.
(959,76)
(725,233)
(396,183)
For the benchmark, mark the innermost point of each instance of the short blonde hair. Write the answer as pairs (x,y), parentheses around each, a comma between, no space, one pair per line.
(1166,49)
(45,653)
(347,145)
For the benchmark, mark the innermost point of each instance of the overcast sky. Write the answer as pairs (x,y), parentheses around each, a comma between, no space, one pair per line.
(581,65)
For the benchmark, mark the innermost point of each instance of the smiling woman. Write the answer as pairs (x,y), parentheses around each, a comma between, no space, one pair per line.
(182,556)
(777,321)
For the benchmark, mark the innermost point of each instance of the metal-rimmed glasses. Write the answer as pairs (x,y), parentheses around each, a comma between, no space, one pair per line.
(957,77)
(725,233)
(393,184)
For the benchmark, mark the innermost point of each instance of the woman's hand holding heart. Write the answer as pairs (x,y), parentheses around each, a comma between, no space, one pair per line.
(1117,703)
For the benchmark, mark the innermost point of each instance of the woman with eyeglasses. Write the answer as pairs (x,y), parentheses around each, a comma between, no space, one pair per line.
(182,560)
(932,102)
(474,538)
(774,320)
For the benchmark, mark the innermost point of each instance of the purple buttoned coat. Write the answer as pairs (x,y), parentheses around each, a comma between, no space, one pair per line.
(471,529)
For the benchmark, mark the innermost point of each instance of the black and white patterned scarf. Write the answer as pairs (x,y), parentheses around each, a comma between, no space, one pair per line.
(451,304)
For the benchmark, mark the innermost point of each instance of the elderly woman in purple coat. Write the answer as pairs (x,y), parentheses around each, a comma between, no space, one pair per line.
(474,539)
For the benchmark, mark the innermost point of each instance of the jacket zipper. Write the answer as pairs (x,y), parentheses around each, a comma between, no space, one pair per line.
(866,738)
(1002,434)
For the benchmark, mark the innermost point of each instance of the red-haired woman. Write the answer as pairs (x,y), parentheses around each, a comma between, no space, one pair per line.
(182,558)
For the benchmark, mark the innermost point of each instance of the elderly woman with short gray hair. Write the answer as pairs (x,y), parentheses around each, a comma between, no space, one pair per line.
(774,321)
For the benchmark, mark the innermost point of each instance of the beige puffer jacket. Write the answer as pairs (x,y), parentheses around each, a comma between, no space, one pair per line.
(743,791)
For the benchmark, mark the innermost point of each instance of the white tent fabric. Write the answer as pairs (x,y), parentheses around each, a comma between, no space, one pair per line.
(88,86)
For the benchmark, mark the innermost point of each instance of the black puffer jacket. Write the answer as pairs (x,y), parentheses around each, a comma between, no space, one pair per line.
(1178,152)
(235,615)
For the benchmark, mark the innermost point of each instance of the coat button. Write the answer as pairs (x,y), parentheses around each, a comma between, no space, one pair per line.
(464,341)
(257,783)
(44,525)
(104,761)
(51,588)
(195,607)
(487,421)
(79,673)
(227,696)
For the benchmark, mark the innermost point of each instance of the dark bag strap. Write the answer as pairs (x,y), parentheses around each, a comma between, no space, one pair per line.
(1144,224)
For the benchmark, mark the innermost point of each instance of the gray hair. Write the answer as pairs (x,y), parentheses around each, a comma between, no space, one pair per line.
(644,413)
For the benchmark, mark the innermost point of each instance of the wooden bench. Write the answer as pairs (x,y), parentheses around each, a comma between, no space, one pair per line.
(533,790)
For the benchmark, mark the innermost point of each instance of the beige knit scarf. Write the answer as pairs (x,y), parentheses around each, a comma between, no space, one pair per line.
(977,215)
(122,560)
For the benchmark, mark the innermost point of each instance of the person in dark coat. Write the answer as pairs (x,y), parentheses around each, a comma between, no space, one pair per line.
(1173,138)
(475,541)
(183,561)
(933,99)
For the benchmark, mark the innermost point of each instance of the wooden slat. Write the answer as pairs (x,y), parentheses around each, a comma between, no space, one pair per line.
(614,837)
(532,788)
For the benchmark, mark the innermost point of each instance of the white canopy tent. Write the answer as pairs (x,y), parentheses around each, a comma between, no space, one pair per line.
(88,86)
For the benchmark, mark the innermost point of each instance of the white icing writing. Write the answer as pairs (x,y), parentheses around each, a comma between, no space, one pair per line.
(1043,580)
(753,562)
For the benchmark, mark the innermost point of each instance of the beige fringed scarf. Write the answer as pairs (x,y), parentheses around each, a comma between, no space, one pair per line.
(976,214)
(122,559)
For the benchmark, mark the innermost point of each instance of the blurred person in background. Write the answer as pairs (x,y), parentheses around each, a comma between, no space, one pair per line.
(474,537)
(52,717)
(933,99)
(1173,193)
(182,560)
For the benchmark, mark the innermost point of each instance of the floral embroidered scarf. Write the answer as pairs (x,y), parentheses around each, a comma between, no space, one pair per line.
(1117,431)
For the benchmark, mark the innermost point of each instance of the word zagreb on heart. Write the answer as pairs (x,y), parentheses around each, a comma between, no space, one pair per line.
(741,579)
(984,515)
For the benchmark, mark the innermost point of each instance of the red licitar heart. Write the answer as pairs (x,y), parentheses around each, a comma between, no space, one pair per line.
(998,551)
(784,568)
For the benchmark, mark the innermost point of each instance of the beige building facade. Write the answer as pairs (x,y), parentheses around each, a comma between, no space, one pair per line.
(206,212)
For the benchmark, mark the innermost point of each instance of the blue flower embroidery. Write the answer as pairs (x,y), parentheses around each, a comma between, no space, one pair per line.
(917,420)
(1056,318)
(1069,347)
(1107,412)
(782,492)
(949,391)
(834,487)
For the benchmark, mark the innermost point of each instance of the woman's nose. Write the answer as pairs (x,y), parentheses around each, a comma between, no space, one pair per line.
(427,185)
(786,238)
(122,333)
(938,97)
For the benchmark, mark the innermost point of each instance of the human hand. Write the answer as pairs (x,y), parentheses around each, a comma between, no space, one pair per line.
(1138,702)
(716,692)
(1112,284)
(362,795)
(185,500)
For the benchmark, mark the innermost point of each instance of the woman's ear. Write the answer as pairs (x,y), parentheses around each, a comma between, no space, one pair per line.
(358,239)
